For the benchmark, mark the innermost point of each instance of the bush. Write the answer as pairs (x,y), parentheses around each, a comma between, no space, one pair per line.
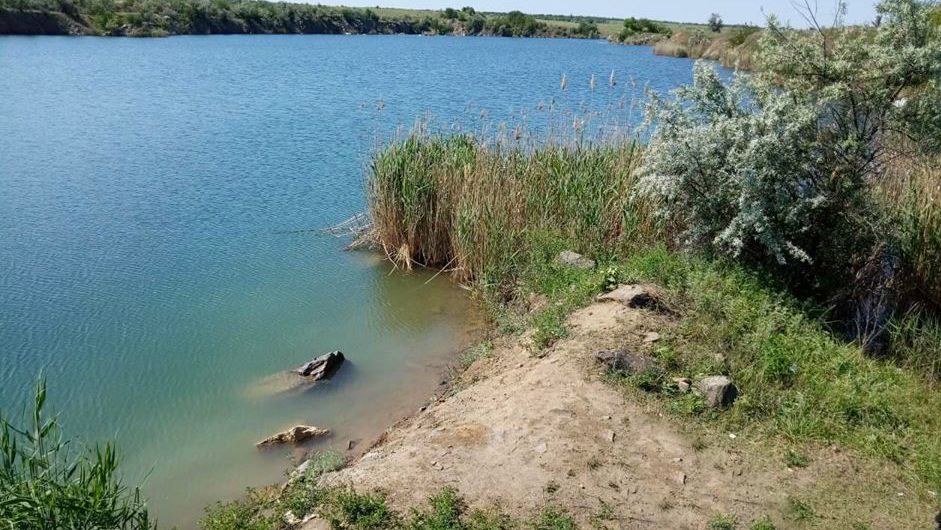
(734,165)
(45,485)
(634,26)
(783,178)
(738,36)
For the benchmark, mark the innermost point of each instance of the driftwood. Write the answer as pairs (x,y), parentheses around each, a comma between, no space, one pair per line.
(322,367)
(355,226)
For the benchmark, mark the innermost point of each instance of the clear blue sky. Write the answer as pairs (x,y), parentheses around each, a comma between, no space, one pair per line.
(733,11)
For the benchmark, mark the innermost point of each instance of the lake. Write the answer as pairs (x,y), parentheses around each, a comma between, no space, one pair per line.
(160,254)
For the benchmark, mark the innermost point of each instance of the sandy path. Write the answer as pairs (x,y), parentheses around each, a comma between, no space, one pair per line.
(526,431)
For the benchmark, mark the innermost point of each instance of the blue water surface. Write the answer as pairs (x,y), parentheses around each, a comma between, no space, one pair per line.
(159,259)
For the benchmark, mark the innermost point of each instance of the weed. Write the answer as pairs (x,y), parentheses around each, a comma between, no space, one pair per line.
(482,350)
(552,518)
(799,510)
(762,524)
(794,459)
(721,521)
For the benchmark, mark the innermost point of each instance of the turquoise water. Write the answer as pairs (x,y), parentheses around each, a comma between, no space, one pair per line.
(158,258)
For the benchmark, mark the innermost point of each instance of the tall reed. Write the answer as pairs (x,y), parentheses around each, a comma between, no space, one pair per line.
(912,192)
(475,206)
(47,482)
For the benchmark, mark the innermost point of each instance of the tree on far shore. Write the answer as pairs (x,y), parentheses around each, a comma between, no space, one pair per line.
(715,22)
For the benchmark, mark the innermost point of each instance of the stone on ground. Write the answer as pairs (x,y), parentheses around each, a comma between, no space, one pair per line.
(576,260)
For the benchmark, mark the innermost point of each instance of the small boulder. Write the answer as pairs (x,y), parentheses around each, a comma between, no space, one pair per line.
(294,435)
(636,296)
(625,361)
(322,367)
(717,390)
(682,384)
(576,260)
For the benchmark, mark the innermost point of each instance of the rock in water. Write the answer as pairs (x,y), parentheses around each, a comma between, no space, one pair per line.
(576,260)
(718,390)
(294,435)
(322,367)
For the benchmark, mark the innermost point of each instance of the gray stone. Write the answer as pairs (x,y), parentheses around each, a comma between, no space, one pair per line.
(322,367)
(636,296)
(576,260)
(625,361)
(683,384)
(717,390)
(294,435)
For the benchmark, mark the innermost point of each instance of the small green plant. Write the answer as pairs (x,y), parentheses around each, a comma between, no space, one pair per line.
(762,524)
(552,518)
(445,514)
(722,521)
(800,510)
(482,350)
(604,514)
(345,508)
(795,459)
(649,380)
(248,513)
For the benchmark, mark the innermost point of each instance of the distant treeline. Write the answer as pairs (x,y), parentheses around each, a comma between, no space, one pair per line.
(153,18)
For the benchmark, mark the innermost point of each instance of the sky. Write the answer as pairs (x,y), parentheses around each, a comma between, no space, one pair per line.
(732,11)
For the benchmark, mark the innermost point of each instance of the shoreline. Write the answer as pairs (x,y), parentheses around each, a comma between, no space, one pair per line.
(521,429)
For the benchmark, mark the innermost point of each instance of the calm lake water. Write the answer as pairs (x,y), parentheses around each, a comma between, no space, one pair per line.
(157,258)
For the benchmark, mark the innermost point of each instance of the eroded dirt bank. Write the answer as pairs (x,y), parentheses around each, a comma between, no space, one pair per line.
(521,431)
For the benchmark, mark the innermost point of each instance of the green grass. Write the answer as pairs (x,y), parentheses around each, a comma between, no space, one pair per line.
(48,482)
(797,383)
(343,507)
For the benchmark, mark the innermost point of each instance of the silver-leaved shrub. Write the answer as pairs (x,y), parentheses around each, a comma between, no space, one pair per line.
(776,167)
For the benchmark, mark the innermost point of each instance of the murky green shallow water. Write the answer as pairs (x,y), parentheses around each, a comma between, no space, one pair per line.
(157,262)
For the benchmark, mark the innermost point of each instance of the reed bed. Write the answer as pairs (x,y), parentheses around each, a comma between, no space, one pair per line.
(477,207)
(912,194)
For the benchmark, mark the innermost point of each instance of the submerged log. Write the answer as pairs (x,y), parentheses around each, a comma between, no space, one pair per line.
(294,435)
(322,367)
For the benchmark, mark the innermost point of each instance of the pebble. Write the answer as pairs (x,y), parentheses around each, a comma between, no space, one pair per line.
(651,337)
(732,436)
(541,448)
